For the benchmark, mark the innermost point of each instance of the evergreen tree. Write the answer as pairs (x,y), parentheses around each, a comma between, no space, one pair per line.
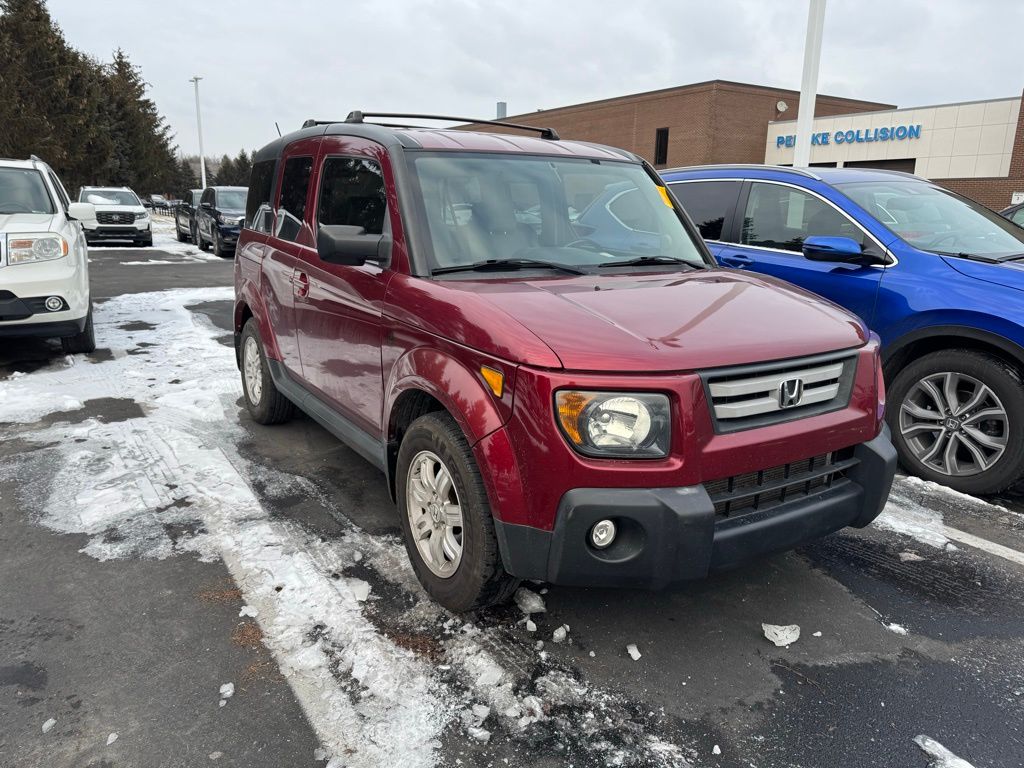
(225,176)
(93,123)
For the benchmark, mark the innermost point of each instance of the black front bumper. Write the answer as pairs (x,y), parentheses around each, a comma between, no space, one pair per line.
(673,534)
(110,233)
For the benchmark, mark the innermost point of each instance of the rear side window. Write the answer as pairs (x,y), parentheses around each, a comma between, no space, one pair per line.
(294,190)
(781,217)
(709,204)
(352,193)
(261,187)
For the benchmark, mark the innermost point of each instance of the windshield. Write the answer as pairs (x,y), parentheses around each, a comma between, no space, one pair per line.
(575,212)
(231,199)
(937,220)
(22,191)
(109,197)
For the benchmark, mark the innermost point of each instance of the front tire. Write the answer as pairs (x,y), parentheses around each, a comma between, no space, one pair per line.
(182,237)
(446,518)
(81,343)
(218,248)
(957,418)
(203,245)
(264,402)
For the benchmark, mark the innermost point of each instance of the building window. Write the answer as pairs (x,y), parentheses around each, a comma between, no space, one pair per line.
(661,146)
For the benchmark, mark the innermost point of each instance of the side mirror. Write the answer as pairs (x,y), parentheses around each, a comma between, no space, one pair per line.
(82,211)
(349,245)
(845,250)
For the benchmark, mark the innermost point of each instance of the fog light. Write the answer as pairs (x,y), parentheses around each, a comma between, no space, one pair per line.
(602,534)
(54,304)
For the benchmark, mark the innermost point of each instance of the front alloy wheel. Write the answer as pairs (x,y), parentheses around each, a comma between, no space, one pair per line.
(435,514)
(252,370)
(954,424)
(956,417)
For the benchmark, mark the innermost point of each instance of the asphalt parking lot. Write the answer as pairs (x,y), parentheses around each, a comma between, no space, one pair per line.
(158,546)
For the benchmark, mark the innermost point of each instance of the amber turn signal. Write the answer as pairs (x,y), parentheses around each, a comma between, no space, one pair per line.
(495,379)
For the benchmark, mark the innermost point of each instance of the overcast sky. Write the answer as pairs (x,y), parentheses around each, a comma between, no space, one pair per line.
(286,61)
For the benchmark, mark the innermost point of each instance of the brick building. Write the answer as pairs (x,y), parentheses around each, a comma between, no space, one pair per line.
(713,122)
(974,148)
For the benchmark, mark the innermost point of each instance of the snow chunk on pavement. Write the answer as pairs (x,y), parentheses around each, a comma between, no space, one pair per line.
(782,635)
(48,725)
(248,610)
(530,626)
(480,734)
(633,651)
(716,750)
(111,739)
(897,628)
(941,757)
(529,601)
(560,634)
(910,557)
(227,690)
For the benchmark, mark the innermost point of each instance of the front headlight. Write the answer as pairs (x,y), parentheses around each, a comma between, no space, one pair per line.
(45,246)
(140,216)
(615,424)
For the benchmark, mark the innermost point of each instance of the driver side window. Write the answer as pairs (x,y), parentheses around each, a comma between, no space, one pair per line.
(782,217)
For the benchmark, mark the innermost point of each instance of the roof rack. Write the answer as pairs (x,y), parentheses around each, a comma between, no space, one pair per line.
(745,166)
(358,117)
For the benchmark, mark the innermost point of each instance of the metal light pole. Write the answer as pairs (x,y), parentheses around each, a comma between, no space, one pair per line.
(199,125)
(809,83)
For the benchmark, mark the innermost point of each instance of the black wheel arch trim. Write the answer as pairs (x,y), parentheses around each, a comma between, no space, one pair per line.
(1005,345)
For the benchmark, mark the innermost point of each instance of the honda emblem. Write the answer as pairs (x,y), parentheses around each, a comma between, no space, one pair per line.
(791,392)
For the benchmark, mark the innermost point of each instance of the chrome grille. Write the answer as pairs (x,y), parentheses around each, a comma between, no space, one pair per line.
(768,488)
(757,395)
(114,217)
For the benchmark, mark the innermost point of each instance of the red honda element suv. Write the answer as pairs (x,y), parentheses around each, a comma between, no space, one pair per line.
(530,340)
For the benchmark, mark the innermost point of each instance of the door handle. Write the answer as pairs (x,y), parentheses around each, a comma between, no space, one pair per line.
(737,260)
(300,282)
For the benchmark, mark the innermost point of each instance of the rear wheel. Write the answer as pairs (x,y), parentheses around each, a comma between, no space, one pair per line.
(265,404)
(83,342)
(446,518)
(957,418)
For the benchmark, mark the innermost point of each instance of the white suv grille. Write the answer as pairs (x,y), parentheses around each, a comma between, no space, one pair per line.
(756,395)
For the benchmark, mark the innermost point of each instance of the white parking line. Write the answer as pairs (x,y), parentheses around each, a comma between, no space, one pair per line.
(985,545)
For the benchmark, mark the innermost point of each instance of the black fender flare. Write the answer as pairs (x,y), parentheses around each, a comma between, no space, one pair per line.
(1009,348)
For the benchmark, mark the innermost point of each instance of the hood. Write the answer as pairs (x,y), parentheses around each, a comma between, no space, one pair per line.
(1009,274)
(13,223)
(231,213)
(115,208)
(704,319)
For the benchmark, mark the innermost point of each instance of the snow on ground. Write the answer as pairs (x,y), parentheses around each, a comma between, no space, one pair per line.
(940,756)
(172,481)
(165,240)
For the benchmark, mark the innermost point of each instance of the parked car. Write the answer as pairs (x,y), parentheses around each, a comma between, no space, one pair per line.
(158,202)
(545,405)
(1014,213)
(937,276)
(44,264)
(185,216)
(120,216)
(219,218)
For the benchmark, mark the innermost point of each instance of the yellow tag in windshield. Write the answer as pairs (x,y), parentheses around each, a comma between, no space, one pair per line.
(665,197)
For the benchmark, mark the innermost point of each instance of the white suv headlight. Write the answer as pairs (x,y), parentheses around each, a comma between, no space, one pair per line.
(140,216)
(27,248)
(615,424)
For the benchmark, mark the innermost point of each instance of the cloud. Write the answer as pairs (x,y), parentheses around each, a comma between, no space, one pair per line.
(270,61)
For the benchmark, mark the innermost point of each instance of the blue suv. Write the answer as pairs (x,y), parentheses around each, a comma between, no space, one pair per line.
(940,278)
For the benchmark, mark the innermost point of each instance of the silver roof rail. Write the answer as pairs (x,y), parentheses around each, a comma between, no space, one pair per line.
(745,166)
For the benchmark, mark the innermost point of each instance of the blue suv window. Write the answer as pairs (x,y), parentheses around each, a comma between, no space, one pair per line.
(781,217)
(709,204)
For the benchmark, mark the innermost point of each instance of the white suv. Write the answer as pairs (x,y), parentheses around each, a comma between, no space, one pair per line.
(120,215)
(44,267)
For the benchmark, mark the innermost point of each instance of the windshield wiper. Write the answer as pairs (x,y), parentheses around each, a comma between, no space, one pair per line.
(503,265)
(645,260)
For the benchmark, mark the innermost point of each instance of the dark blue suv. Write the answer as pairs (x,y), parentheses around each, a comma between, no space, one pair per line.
(940,278)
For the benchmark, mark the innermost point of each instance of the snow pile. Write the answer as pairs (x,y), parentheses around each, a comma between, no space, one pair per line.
(941,757)
(782,635)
